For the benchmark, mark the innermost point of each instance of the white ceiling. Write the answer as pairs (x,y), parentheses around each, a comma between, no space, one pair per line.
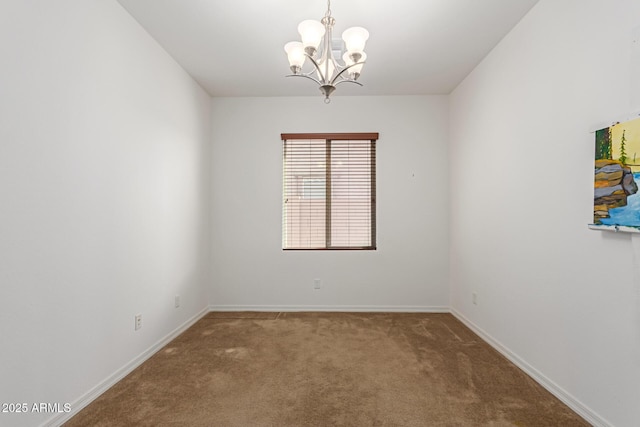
(235,47)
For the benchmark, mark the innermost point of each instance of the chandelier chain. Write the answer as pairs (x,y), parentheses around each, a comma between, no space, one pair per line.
(328,13)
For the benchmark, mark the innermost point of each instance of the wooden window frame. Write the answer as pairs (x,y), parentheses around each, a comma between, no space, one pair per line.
(329,137)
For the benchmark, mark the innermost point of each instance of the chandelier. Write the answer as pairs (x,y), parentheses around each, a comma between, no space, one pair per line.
(329,72)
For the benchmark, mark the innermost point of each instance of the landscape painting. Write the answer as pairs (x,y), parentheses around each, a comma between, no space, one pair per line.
(616,200)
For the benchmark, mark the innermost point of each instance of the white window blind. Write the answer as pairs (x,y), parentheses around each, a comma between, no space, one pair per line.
(329,191)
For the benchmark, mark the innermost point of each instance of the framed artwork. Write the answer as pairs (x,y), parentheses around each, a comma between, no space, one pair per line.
(616,200)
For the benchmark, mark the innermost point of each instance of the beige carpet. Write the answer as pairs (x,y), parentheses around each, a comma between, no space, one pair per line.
(327,369)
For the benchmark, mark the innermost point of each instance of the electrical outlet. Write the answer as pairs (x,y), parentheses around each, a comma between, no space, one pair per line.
(177,301)
(474,298)
(138,321)
(316,283)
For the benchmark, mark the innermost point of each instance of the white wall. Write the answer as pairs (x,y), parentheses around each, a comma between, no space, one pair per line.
(410,268)
(563,299)
(104,194)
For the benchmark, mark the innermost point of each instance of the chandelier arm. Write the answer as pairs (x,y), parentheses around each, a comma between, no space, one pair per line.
(342,72)
(348,81)
(315,64)
(307,76)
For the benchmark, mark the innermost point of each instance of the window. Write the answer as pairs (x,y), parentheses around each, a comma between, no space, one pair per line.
(329,191)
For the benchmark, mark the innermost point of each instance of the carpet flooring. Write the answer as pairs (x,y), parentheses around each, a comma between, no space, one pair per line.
(327,369)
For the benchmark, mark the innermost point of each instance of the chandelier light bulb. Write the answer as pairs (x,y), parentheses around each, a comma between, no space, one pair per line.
(349,60)
(311,32)
(355,38)
(296,56)
(323,69)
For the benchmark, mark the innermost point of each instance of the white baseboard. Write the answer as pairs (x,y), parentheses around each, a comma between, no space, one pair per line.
(581,409)
(106,384)
(334,308)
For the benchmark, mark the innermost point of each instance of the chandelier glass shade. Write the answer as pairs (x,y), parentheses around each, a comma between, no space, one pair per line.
(316,47)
